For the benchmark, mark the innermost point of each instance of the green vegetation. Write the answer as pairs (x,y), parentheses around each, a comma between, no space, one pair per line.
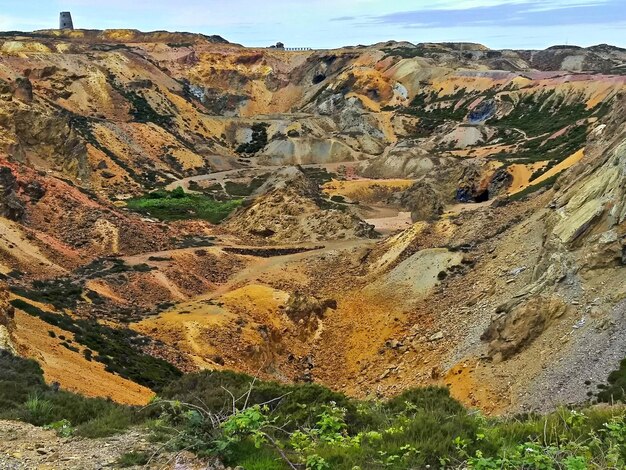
(530,123)
(266,425)
(540,115)
(178,205)
(245,189)
(543,113)
(68,292)
(142,111)
(438,110)
(258,140)
(412,52)
(615,390)
(119,349)
(227,414)
(175,45)
(60,292)
(83,125)
(320,175)
(132,459)
(25,396)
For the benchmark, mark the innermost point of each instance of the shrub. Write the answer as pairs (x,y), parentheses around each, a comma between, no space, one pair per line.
(108,421)
(178,193)
(615,390)
(258,140)
(133,459)
(24,395)
(267,425)
(178,205)
(63,428)
(38,410)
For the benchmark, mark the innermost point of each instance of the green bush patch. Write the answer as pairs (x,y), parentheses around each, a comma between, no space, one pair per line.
(178,205)
(260,425)
(133,459)
(615,390)
(258,140)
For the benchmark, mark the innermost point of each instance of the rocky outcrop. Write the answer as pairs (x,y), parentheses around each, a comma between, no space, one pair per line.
(499,183)
(513,331)
(23,90)
(7,322)
(293,210)
(11,205)
(424,201)
(306,310)
(472,185)
(52,139)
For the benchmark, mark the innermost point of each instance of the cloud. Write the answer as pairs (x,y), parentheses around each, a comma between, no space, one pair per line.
(344,18)
(522,13)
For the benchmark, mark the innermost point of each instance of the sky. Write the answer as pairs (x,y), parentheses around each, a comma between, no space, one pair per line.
(499,24)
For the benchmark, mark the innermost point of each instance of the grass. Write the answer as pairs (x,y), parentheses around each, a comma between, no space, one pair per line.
(419,428)
(178,205)
(133,459)
(24,395)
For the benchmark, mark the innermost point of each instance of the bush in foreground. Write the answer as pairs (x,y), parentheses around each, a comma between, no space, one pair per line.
(271,426)
(24,395)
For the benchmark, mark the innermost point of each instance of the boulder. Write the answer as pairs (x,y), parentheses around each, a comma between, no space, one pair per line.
(23,90)
(514,331)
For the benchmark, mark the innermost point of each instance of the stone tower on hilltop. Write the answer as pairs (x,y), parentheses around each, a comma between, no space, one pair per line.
(65,20)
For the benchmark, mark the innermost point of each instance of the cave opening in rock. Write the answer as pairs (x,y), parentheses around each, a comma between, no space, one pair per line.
(482,196)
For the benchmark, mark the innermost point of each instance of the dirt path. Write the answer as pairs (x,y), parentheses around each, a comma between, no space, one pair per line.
(263,266)
(456,209)
(221,176)
(391,224)
(27,447)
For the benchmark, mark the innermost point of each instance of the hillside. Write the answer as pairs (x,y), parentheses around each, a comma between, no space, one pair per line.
(371,219)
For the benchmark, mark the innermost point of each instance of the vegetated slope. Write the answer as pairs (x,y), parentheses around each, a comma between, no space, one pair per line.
(142,283)
(234,419)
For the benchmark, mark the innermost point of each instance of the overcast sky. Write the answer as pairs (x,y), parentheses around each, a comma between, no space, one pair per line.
(333,23)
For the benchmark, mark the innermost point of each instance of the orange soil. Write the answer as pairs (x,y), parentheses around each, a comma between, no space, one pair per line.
(521,175)
(365,189)
(70,369)
(470,391)
(564,165)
